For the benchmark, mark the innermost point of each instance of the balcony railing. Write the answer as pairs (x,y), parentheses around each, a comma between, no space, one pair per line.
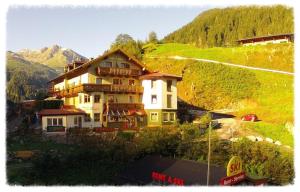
(108,88)
(125,106)
(117,71)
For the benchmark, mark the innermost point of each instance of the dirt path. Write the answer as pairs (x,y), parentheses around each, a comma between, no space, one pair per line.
(231,127)
(176,57)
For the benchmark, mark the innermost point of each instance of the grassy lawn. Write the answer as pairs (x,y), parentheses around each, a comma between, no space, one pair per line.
(273,56)
(277,132)
(274,100)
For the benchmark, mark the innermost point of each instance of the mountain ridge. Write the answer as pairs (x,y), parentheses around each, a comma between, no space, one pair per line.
(53,56)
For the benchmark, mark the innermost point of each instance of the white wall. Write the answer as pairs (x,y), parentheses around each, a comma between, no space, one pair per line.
(160,89)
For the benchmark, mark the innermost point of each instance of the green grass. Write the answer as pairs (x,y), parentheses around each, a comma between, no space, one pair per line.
(277,132)
(272,56)
(274,100)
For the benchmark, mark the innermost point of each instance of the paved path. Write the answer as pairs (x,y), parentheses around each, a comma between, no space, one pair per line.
(225,63)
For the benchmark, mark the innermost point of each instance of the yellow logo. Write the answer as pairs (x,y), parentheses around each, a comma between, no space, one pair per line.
(234,166)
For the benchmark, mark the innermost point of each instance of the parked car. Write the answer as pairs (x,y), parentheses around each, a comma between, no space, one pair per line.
(249,117)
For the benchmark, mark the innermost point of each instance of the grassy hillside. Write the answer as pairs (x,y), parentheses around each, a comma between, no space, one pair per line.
(25,79)
(269,95)
(272,56)
(222,27)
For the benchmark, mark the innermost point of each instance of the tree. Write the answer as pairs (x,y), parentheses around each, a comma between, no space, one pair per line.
(128,44)
(152,37)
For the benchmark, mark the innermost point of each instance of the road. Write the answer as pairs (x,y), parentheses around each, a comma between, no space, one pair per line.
(225,63)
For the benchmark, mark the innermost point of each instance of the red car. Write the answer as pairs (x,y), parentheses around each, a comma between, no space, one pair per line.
(249,117)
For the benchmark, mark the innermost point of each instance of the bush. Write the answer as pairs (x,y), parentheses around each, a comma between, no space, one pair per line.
(161,140)
(262,159)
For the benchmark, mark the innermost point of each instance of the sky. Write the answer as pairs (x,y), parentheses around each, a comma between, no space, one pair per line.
(90,30)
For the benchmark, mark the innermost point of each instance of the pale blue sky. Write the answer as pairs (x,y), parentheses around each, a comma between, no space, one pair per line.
(90,30)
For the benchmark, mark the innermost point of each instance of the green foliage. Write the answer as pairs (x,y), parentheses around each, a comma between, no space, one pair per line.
(128,44)
(161,140)
(99,160)
(222,27)
(152,37)
(262,159)
(26,80)
(271,106)
(126,135)
(209,86)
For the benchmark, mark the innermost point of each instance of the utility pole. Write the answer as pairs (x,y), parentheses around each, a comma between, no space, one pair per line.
(208,155)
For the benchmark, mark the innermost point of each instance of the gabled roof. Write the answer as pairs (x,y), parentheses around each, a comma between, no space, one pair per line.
(85,66)
(157,75)
(64,110)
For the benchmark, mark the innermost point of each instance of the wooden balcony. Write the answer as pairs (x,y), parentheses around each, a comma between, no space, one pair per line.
(125,106)
(107,88)
(103,71)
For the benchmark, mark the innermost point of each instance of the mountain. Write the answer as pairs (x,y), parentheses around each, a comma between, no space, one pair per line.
(222,27)
(55,57)
(26,79)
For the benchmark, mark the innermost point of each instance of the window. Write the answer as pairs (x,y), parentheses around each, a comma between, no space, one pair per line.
(131,99)
(165,117)
(121,65)
(117,81)
(87,117)
(153,99)
(97,98)
(131,82)
(49,122)
(104,118)
(75,121)
(106,64)
(154,116)
(172,116)
(153,83)
(54,121)
(60,121)
(169,85)
(96,117)
(169,101)
(86,98)
(98,80)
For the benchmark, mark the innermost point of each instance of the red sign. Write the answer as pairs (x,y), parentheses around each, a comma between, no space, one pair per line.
(167,179)
(233,179)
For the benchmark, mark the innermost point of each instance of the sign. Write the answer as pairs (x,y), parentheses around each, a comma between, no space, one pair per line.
(166,179)
(234,166)
(233,179)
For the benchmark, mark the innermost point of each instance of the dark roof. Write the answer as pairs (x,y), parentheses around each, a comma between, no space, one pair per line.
(266,36)
(156,75)
(84,66)
(64,110)
(192,172)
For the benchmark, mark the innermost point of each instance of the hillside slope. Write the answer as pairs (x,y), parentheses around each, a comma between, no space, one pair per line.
(25,79)
(55,57)
(222,27)
(215,86)
(272,56)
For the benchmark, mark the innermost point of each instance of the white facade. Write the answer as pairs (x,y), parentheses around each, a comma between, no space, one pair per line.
(158,89)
